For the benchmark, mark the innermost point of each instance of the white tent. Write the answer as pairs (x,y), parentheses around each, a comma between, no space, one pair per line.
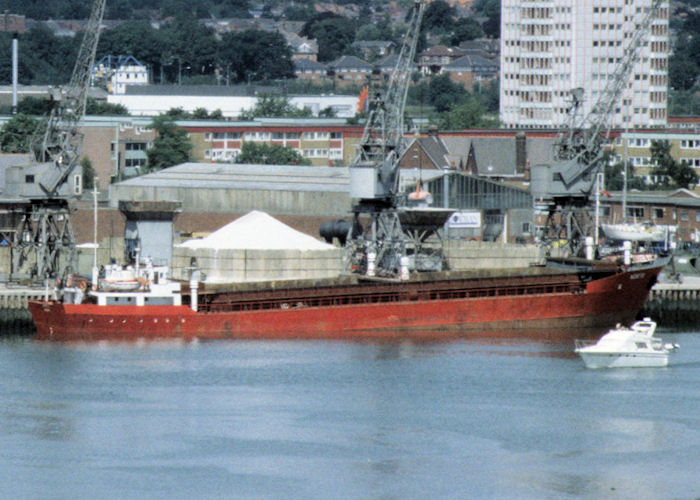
(257,247)
(257,231)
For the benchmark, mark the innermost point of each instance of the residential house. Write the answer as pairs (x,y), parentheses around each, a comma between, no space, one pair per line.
(679,209)
(375,49)
(302,48)
(492,154)
(116,72)
(310,70)
(350,70)
(472,71)
(488,48)
(431,61)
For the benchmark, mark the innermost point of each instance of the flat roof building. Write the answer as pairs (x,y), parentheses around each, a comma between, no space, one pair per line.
(550,47)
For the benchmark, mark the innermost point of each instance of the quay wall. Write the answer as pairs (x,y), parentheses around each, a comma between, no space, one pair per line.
(674,304)
(14,315)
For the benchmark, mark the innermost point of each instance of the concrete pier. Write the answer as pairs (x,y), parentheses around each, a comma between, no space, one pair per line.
(14,314)
(674,303)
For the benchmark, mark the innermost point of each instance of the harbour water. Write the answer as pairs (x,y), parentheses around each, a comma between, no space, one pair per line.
(468,418)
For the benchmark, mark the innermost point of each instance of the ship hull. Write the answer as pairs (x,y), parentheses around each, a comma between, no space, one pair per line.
(430,309)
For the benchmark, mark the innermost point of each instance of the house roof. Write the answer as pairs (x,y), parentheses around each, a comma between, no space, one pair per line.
(306,64)
(442,50)
(110,61)
(486,44)
(350,63)
(371,44)
(678,198)
(388,63)
(495,156)
(435,149)
(301,44)
(472,63)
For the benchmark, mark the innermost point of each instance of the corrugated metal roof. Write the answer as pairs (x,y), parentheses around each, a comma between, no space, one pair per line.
(653,198)
(247,177)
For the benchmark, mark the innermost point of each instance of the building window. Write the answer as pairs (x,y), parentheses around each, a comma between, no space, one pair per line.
(77,184)
(135,162)
(604,211)
(658,213)
(684,215)
(29,179)
(635,212)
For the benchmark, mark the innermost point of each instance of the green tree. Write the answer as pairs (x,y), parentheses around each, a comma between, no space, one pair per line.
(47,59)
(465,29)
(684,61)
(234,8)
(16,133)
(615,177)
(135,38)
(269,154)
(467,115)
(668,171)
(683,103)
(190,48)
(272,106)
(171,146)
(443,93)
(94,107)
(439,17)
(299,12)
(35,106)
(88,173)
(255,55)
(333,33)
(491,10)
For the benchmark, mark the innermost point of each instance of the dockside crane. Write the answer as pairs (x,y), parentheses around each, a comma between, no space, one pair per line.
(566,186)
(40,194)
(394,236)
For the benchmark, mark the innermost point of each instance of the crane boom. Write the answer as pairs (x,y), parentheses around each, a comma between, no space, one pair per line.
(566,185)
(580,146)
(373,174)
(57,138)
(43,243)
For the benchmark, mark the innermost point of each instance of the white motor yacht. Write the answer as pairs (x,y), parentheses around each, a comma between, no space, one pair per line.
(626,347)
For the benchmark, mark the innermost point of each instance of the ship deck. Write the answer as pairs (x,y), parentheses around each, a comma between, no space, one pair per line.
(350,290)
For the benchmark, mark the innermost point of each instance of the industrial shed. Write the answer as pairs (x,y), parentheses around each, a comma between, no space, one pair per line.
(483,208)
(235,188)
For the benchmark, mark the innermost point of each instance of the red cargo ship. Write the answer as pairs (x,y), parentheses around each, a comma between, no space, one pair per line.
(577,294)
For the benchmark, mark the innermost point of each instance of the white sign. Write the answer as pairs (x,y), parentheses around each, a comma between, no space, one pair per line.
(470,220)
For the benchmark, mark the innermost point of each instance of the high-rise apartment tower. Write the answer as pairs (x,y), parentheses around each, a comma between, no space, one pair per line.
(549,47)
